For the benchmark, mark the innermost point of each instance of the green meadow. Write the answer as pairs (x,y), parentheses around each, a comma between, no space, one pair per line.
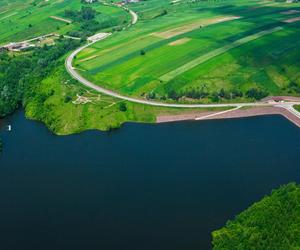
(214,47)
(24,19)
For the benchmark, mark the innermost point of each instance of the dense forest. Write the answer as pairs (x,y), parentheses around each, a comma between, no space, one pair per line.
(19,73)
(272,223)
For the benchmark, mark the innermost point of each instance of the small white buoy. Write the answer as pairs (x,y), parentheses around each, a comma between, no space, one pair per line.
(9,127)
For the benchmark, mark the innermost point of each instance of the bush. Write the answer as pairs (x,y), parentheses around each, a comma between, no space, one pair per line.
(123,107)
(256,93)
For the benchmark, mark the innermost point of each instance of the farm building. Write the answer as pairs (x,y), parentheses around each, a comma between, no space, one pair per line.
(98,37)
(130,1)
(18,46)
(90,1)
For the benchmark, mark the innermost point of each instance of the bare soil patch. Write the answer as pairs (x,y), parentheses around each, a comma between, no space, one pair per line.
(292,20)
(180,41)
(192,26)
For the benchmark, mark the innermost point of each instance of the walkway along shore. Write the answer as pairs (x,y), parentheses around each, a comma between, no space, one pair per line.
(232,114)
(265,107)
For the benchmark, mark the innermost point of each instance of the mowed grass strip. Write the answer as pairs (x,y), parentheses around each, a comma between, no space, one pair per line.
(169,76)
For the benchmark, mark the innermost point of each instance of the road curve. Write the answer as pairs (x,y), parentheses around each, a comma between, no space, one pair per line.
(72,71)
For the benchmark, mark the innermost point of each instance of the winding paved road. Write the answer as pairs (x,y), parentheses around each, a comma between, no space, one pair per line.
(87,83)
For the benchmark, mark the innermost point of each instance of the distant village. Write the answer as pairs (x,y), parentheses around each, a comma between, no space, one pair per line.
(25,45)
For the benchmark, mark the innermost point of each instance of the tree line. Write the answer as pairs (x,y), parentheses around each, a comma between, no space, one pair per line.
(198,93)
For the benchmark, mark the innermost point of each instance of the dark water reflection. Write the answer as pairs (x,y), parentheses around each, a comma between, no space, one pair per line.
(147,187)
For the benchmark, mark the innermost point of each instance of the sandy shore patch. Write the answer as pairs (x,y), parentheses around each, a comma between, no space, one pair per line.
(184,117)
(180,41)
(292,20)
(192,26)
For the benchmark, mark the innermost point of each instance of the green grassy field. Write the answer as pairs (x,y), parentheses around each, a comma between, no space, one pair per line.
(184,46)
(23,19)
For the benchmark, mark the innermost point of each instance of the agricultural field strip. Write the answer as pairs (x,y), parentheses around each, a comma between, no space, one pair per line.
(61,19)
(12,14)
(87,83)
(3,12)
(151,42)
(169,76)
(15,28)
(183,30)
(192,26)
(111,93)
(85,57)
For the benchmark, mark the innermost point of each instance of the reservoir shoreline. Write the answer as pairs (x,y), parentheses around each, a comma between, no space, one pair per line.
(232,114)
(89,181)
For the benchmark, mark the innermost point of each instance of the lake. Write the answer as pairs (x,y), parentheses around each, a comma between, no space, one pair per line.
(142,187)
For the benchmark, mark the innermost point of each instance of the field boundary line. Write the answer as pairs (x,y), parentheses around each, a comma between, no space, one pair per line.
(192,64)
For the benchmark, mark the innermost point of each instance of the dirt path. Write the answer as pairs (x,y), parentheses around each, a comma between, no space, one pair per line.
(234,113)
